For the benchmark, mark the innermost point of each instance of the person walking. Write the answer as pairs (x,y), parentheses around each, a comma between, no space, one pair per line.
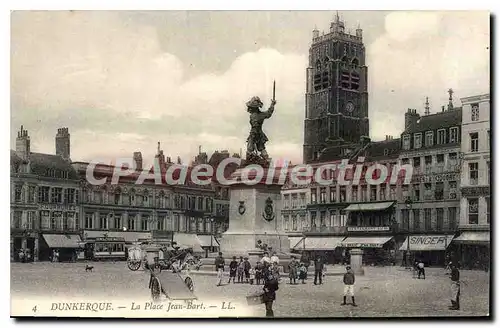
(269,296)
(233,266)
(455,288)
(349,285)
(302,272)
(421,269)
(219,267)
(292,271)
(319,266)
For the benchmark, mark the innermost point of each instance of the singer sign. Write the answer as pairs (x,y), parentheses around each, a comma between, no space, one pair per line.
(427,243)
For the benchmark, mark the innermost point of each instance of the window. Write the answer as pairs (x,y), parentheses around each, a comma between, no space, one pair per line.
(417,140)
(303,200)
(118,221)
(31,194)
(453,135)
(473,210)
(192,224)
(322,195)
(354,191)
(103,221)
(405,161)
(286,201)
(313,196)
(66,218)
(427,219)
(364,193)
(56,196)
(144,223)
(18,193)
(200,203)
(429,138)
(31,220)
(428,160)
(89,221)
(440,159)
(322,217)
(294,223)
(117,198)
(416,161)
(313,219)
(373,193)
(406,142)
(474,112)
(17,219)
(383,191)
(488,171)
(393,195)
(342,194)
(286,222)
(474,142)
(452,185)
(416,192)
(333,194)
(473,173)
(177,222)
(199,228)
(131,222)
(405,219)
(416,219)
(56,220)
(428,191)
(77,222)
(441,136)
(182,223)
(439,219)
(69,196)
(439,193)
(488,209)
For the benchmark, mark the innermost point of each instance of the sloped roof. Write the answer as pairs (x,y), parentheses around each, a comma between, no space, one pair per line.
(436,121)
(40,163)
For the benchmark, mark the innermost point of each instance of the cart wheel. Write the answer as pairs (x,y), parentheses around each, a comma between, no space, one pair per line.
(134,265)
(189,283)
(155,290)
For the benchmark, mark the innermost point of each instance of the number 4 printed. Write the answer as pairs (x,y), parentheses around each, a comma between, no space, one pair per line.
(34,309)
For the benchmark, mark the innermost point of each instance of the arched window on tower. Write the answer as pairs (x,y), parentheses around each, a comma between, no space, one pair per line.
(355,62)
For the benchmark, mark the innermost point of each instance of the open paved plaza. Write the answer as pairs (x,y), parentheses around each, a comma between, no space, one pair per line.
(381,292)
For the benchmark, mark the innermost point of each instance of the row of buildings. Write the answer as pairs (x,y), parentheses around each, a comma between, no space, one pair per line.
(444,210)
(53,206)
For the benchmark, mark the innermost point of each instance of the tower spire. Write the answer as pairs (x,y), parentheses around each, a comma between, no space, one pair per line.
(158,147)
(427,108)
(450,99)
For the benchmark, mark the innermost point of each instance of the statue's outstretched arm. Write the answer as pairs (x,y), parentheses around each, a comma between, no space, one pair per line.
(270,111)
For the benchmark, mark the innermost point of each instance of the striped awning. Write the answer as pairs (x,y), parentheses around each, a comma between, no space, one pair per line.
(62,241)
(426,243)
(369,207)
(294,242)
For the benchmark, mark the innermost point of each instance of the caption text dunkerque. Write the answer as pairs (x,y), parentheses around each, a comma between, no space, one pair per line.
(138,306)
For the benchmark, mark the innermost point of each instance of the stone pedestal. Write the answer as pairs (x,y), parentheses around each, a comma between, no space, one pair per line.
(255,215)
(357,261)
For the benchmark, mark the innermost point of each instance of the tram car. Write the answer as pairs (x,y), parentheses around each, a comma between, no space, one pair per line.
(106,249)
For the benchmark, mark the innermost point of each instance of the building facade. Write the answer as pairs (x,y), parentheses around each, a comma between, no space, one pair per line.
(294,211)
(45,199)
(336,91)
(475,204)
(429,207)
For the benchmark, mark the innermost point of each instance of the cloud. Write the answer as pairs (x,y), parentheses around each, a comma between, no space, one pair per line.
(101,75)
(120,90)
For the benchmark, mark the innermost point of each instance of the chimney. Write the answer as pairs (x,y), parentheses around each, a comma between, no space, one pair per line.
(63,143)
(23,144)
(411,118)
(427,108)
(138,160)
(442,108)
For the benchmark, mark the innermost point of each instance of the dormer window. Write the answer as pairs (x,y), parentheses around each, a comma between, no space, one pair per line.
(386,152)
(429,138)
(406,142)
(441,136)
(417,142)
(454,134)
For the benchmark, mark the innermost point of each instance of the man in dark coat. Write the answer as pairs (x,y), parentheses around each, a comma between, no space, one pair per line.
(233,266)
(455,288)
(270,288)
(349,285)
(319,266)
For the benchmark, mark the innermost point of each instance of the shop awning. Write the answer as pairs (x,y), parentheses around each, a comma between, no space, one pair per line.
(129,236)
(62,241)
(208,241)
(426,243)
(319,243)
(473,237)
(188,240)
(366,242)
(294,241)
(368,207)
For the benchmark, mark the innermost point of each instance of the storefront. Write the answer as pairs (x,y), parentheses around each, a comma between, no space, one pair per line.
(326,246)
(431,249)
(67,246)
(377,250)
(474,249)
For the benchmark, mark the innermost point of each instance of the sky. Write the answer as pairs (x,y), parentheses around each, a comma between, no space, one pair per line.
(122,81)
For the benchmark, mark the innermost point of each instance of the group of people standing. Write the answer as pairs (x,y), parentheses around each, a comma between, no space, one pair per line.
(24,255)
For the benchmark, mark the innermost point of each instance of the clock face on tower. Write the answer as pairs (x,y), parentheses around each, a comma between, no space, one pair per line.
(349,107)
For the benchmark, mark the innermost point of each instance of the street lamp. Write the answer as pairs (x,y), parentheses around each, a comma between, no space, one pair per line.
(409,204)
(212,233)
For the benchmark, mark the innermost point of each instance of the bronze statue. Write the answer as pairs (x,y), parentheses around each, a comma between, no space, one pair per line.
(256,142)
